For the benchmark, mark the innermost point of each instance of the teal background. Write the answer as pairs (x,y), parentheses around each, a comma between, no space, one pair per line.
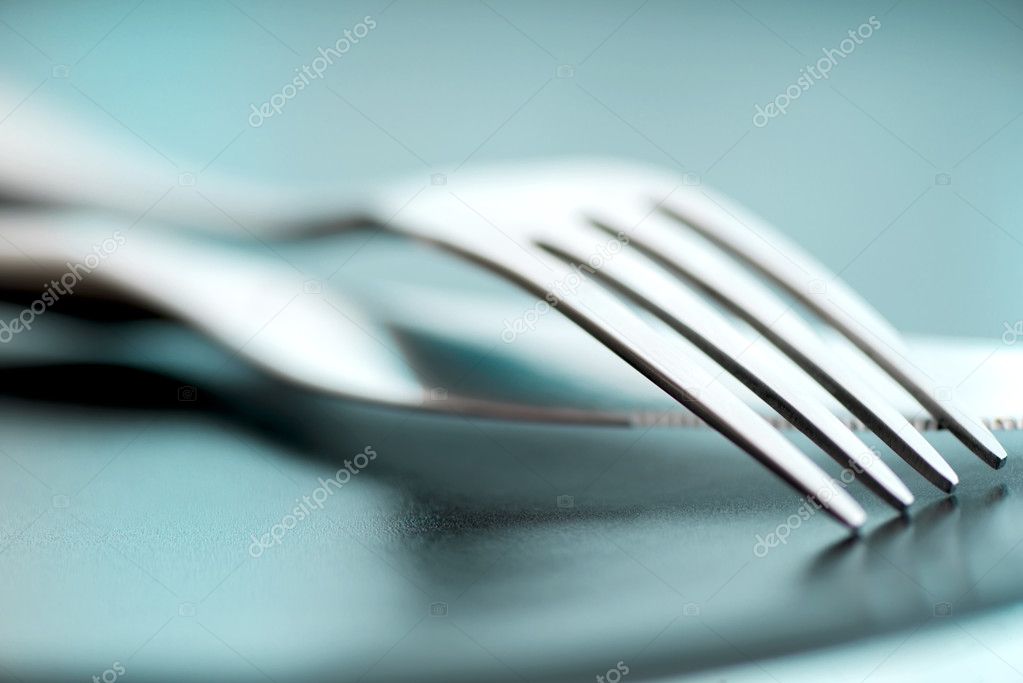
(850,170)
(124,529)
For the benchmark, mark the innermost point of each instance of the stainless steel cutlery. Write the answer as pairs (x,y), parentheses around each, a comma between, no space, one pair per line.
(633,256)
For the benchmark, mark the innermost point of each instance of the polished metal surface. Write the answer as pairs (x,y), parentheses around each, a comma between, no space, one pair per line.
(506,220)
(775,256)
(137,457)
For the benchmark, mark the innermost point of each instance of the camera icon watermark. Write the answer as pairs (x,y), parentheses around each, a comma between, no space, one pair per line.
(186,609)
(312,287)
(438,394)
(565,502)
(943,179)
(817,286)
(61,71)
(61,501)
(186,179)
(943,609)
(438,179)
(691,609)
(565,71)
(187,393)
(691,179)
(439,609)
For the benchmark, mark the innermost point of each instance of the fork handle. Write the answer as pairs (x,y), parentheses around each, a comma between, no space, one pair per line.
(51,159)
(260,310)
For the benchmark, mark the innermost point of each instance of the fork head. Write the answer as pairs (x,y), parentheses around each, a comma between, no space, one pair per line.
(518,206)
(547,227)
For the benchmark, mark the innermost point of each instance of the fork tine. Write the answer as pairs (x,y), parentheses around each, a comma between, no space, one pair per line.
(641,280)
(750,240)
(608,320)
(689,256)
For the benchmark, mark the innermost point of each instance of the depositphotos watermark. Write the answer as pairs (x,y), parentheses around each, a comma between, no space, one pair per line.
(307,73)
(311,501)
(110,675)
(567,285)
(615,673)
(63,286)
(807,509)
(812,73)
(1013,332)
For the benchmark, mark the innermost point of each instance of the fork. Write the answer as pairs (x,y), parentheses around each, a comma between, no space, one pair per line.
(663,247)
